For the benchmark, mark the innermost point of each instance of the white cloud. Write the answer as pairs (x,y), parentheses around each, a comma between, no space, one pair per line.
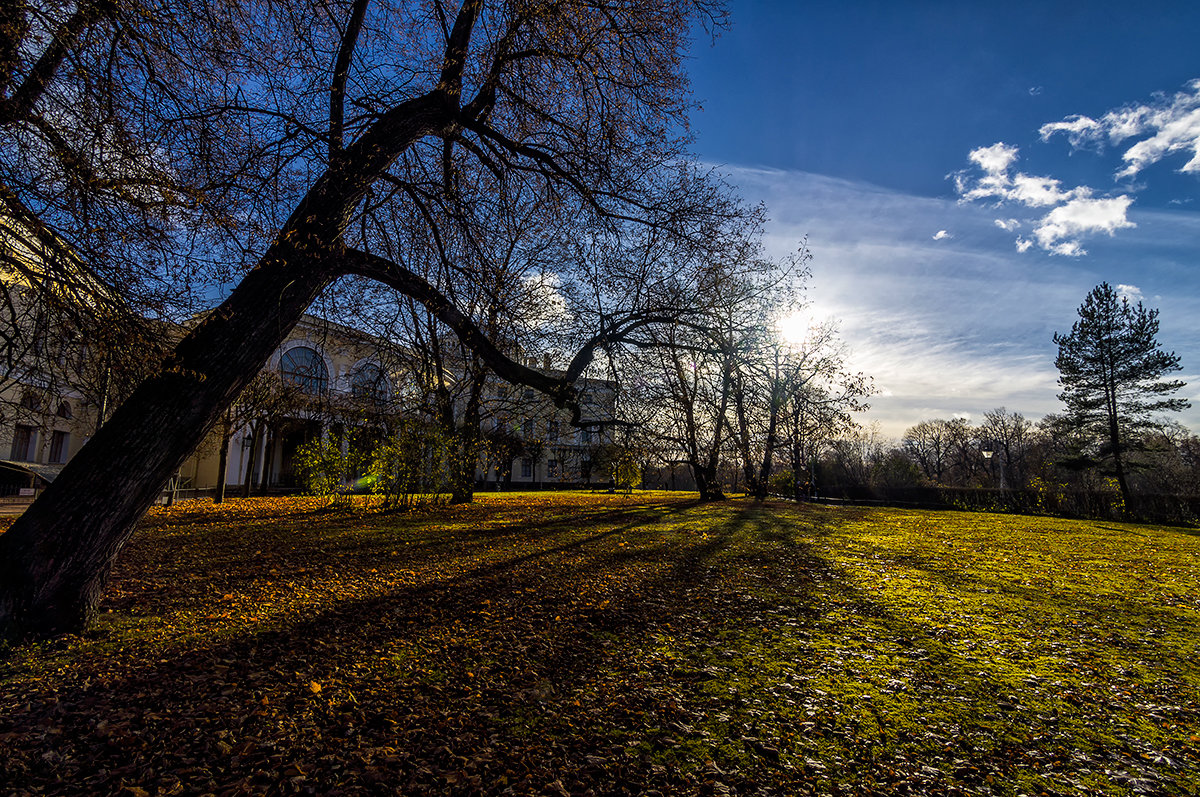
(1078,129)
(1172,124)
(1131,292)
(998,183)
(1074,211)
(941,235)
(1059,231)
(1176,135)
(1040,192)
(996,159)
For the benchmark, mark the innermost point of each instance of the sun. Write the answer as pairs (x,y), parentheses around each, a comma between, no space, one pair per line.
(795,327)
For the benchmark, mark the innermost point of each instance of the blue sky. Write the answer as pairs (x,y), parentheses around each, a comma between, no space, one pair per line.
(965,174)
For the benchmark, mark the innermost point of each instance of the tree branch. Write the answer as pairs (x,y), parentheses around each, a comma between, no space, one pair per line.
(365,264)
(22,102)
(341,72)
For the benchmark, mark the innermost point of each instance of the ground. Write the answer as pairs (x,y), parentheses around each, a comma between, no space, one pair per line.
(576,644)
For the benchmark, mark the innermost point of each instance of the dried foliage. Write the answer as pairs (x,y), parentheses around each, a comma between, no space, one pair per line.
(582,644)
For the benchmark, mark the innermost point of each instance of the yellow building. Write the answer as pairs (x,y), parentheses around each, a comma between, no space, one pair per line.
(64,371)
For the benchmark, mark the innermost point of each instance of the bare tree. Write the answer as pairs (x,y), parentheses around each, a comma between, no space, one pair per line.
(790,396)
(285,147)
(1010,435)
(930,446)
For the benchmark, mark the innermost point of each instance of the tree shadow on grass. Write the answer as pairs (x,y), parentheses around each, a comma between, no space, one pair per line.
(562,658)
(317,693)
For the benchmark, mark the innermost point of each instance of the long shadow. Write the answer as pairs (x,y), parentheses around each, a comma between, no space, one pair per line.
(242,667)
(515,673)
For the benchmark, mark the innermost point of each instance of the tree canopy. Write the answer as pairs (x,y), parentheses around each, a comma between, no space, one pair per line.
(171,149)
(1112,370)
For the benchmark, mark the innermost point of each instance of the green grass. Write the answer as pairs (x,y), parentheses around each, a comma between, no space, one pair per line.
(574,643)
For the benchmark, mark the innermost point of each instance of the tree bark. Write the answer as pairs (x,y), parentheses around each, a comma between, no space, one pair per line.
(53,576)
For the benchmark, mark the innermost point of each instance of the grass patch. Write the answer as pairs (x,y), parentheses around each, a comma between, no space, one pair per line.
(569,643)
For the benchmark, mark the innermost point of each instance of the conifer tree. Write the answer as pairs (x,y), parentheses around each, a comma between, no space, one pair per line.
(1111,368)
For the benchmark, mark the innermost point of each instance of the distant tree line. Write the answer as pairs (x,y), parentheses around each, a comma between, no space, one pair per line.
(1005,452)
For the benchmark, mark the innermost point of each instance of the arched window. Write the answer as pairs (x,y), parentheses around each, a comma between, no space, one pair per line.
(64,410)
(302,366)
(369,382)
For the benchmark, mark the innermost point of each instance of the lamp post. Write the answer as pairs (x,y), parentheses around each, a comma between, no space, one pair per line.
(988,450)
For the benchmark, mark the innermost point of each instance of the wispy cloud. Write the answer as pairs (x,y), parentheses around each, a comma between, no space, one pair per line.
(1150,132)
(941,235)
(1075,212)
(1171,122)
(968,328)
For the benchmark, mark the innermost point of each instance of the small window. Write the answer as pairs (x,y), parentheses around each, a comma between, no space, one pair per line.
(586,435)
(527,429)
(552,430)
(59,446)
(552,469)
(23,444)
(64,410)
(31,401)
(526,468)
(369,382)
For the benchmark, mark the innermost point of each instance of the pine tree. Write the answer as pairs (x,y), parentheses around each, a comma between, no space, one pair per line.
(1111,369)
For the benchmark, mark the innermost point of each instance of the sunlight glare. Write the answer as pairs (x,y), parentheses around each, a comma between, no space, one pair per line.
(794,328)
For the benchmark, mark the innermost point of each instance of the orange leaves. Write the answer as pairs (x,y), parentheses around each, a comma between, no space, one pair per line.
(598,640)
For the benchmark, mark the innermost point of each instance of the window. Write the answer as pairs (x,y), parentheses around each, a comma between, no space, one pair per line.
(369,382)
(59,445)
(527,429)
(586,435)
(302,366)
(552,469)
(552,430)
(526,468)
(24,438)
(64,410)
(31,401)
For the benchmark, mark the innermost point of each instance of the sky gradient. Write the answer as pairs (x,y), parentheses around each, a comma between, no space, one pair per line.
(965,174)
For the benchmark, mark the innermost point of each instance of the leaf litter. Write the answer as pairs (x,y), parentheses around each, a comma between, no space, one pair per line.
(595,644)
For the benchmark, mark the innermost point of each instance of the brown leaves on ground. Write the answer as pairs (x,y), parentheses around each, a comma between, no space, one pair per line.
(581,644)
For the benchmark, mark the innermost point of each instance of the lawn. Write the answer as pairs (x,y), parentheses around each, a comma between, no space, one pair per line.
(576,644)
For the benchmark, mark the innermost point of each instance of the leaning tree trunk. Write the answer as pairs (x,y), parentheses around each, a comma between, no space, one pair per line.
(56,557)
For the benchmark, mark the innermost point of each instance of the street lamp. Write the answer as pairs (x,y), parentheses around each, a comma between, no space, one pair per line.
(988,449)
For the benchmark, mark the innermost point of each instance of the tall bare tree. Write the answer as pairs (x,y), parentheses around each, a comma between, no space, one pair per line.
(267,138)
